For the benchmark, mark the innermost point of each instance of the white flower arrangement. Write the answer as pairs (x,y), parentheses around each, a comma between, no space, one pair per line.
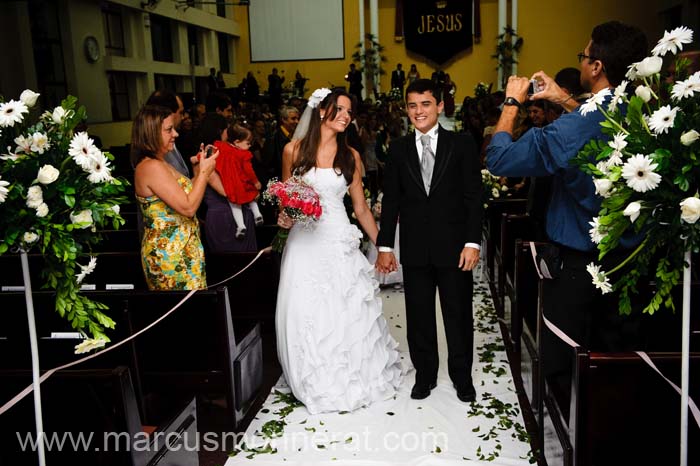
(56,191)
(647,174)
(317,96)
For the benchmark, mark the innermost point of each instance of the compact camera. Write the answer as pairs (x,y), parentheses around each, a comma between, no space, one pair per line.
(535,87)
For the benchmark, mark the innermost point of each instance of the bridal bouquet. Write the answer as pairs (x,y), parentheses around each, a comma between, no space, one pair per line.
(297,199)
(648,172)
(56,192)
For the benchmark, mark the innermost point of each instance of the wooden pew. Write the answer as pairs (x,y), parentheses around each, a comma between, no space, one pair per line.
(197,351)
(100,405)
(513,227)
(492,233)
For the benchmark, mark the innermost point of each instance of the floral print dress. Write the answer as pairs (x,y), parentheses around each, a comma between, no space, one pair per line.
(172,255)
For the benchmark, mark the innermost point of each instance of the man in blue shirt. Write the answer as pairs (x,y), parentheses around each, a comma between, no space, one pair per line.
(571,298)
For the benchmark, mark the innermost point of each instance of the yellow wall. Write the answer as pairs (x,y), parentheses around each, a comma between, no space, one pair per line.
(553,32)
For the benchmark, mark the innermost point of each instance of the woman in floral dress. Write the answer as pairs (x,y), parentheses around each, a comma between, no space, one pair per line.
(171,249)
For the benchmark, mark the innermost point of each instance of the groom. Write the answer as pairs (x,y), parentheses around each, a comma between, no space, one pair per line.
(432,183)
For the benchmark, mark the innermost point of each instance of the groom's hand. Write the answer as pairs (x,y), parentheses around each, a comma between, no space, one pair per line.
(386,262)
(468,259)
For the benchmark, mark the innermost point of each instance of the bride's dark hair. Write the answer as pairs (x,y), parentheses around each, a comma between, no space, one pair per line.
(344,162)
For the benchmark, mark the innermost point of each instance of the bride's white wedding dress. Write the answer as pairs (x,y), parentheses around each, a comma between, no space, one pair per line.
(333,342)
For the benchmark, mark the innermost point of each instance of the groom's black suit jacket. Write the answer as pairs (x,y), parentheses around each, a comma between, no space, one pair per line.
(434,227)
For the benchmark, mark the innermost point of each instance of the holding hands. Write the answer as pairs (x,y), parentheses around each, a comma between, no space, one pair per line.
(284,221)
(205,164)
(518,86)
(386,262)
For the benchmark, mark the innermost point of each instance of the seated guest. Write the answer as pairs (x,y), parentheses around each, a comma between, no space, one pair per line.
(171,250)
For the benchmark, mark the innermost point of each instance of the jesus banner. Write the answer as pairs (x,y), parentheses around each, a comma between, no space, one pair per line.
(438,30)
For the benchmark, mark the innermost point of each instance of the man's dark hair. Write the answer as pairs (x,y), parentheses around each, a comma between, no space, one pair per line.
(217,101)
(570,79)
(617,46)
(420,86)
(164,98)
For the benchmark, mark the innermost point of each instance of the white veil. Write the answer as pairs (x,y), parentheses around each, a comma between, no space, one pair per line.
(305,120)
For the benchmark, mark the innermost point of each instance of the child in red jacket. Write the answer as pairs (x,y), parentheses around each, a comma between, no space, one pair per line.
(236,171)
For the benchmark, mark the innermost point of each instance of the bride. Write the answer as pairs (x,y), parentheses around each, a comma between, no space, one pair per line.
(333,342)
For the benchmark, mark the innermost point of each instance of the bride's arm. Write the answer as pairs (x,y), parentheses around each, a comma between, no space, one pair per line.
(359,204)
(288,155)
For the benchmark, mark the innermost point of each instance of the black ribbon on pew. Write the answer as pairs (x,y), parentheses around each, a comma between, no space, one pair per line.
(29,389)
(643,355)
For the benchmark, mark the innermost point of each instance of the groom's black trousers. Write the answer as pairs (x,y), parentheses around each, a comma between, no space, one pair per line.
(455,289)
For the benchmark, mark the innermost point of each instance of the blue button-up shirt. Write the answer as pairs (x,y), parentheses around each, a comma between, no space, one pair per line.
(548,151)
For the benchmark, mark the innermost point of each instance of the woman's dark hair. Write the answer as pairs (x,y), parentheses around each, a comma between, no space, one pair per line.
(146,138)
(344,162)
(238,132)
(211,127)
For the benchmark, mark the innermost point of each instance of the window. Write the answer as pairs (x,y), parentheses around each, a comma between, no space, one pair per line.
(193,44)
(224,60)
(119,95)
(114,30)
(161,39)
(221,9)
(166,81)
(48,53)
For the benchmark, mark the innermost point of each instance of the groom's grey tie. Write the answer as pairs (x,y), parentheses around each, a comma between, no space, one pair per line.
(427,162)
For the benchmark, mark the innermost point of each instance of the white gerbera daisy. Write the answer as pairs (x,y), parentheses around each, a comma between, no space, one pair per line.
(11,112)
(86,269)
(673,41)
(593,101)
(3,190)
(596,231)
(600,280)
(662,119)
(99,168)
(81,149)
(639,173)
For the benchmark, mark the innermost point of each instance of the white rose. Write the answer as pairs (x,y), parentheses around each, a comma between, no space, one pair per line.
(58,115)
(690,209)
(84,216)
(116,209)
(35,197)
(643,93)
(42,210)
(689,137)
(495,192)
(28,97)
(47,174)
(602,187)
(632,211)
(30,237)
(649,66)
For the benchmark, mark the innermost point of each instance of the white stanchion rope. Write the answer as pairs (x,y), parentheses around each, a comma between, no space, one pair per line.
(29,389)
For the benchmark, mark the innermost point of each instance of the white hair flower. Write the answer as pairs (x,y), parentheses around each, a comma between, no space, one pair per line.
(639,173)
(673,41)
(318,96)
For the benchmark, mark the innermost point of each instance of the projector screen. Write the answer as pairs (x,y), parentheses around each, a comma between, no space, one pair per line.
(288,30)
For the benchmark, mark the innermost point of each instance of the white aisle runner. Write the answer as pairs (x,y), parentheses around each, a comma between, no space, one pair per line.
(439,430)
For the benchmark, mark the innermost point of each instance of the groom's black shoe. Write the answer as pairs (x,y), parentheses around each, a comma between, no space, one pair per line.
(421,391)
(466,392)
